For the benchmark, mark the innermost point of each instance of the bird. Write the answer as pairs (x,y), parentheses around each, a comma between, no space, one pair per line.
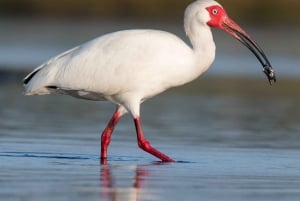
(129,67)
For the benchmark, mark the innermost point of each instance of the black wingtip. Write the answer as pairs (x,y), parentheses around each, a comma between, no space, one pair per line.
(30,76)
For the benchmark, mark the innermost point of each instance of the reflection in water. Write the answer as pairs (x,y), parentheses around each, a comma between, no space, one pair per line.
(118,185)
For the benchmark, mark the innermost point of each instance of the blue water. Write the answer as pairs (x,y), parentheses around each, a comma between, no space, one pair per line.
(234,136)
(210,174)
(229,146)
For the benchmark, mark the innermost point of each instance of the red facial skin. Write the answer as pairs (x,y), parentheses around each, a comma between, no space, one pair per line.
(219,19)
(217,15)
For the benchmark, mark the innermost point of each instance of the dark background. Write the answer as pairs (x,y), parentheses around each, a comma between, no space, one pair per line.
(251,11)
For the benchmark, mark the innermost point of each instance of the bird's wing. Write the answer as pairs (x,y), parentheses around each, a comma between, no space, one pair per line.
(40,76)
(112,64)
(30,75)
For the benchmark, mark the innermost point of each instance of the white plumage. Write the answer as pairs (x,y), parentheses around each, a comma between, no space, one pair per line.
(128,67)
(145,61)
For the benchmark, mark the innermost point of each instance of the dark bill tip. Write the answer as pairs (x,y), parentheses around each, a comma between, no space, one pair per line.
(270,73)
(237,32)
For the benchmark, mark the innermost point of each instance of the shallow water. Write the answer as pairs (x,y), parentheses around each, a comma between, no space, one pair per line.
(235,137)
(234,140)
(216,174)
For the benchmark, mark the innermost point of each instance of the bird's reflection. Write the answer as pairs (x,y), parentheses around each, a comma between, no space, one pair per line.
(123,183)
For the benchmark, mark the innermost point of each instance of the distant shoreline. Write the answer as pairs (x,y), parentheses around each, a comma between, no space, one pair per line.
(266,12)
(9,76)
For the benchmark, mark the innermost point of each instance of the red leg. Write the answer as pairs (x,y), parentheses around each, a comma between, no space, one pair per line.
(145,144)
(106,134)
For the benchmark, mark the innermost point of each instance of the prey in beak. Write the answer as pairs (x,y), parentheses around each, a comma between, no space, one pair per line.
(219,19)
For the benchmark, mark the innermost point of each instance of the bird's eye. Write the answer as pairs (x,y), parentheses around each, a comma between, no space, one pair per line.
(214,11)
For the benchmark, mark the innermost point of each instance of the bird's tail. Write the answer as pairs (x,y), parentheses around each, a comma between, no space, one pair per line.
(35,83)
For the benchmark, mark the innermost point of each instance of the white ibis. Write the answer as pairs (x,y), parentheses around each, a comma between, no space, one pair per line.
(131,66)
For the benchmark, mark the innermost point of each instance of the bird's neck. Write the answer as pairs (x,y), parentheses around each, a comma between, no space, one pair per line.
(202,42)
(201,39)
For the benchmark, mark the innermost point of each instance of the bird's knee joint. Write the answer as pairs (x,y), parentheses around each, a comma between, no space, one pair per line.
(145,145)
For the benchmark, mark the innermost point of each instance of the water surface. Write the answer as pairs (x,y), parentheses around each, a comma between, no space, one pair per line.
(231,143)
(234,136)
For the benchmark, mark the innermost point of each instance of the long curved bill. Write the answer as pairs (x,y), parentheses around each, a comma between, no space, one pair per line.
(237,32)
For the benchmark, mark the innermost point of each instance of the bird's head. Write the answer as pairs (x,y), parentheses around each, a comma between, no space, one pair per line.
(211,13)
